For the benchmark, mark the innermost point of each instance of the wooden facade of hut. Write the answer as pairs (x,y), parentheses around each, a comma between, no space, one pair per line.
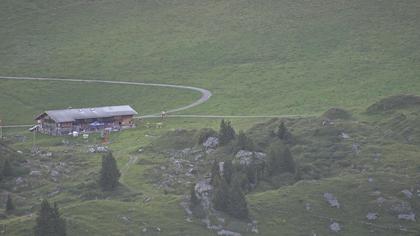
(85,120)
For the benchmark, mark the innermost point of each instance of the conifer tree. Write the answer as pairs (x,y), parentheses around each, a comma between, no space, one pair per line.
(49,221)
(220,193)
(226,133)
(236,204)
(7,168)
(274,158)
(280,159)
(109,174)
(282,131)
(244,143)
(10,207)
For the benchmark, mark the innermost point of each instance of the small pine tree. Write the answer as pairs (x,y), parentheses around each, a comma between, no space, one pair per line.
(274,158)
(220,193)
(7,168)
(228,171)
(226,132)
(10,207)
(243,142)
(49,221)
(280,159)
(282,131)
(109,174)
(236,204)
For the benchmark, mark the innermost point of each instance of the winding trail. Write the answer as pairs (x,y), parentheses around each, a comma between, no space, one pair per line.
(205,94)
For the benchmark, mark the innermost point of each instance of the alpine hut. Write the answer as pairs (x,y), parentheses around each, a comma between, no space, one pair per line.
(85,120)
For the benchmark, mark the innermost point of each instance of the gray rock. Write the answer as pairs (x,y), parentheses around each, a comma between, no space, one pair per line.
(410,216)
(202,187)
(244,157)
(372,216)
(308,206)
(380,200)
(225,232)
(19,181)
(356,148)
(332,200)
(211,143)
(55,174)
(407,193)
(344,135)
(35,173)
(401,207)
(335,227)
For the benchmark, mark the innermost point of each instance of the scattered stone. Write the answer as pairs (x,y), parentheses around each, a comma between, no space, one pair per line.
(332,200)
(380,200)
(55,174)
(98,149)
(35,173)
(410,216)
(211,143)
(221,167)
(125,219)
(225,232)
(244,157)
(401,207)
(355,147)
(370,179)
(372,216)
(335,227)
(376,193)
(19,181)
(407,193)
(52,194)
(254,228)
(45,155)
(146,199)
(344,135)
(376,156)
(202,187)
(308,206)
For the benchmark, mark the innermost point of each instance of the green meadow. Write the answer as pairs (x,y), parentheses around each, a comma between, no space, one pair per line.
(265,57)
(268,57)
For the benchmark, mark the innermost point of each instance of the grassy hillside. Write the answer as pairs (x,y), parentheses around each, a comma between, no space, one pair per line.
(258,58)
(21,101)
(265,57)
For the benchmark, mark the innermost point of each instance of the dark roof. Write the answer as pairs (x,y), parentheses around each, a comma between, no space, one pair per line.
(69,115)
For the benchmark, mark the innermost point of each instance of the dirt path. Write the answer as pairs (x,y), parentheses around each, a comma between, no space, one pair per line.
(205,94)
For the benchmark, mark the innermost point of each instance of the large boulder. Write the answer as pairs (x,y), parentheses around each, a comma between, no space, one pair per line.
(331,200)
(211,143)
(245,158)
